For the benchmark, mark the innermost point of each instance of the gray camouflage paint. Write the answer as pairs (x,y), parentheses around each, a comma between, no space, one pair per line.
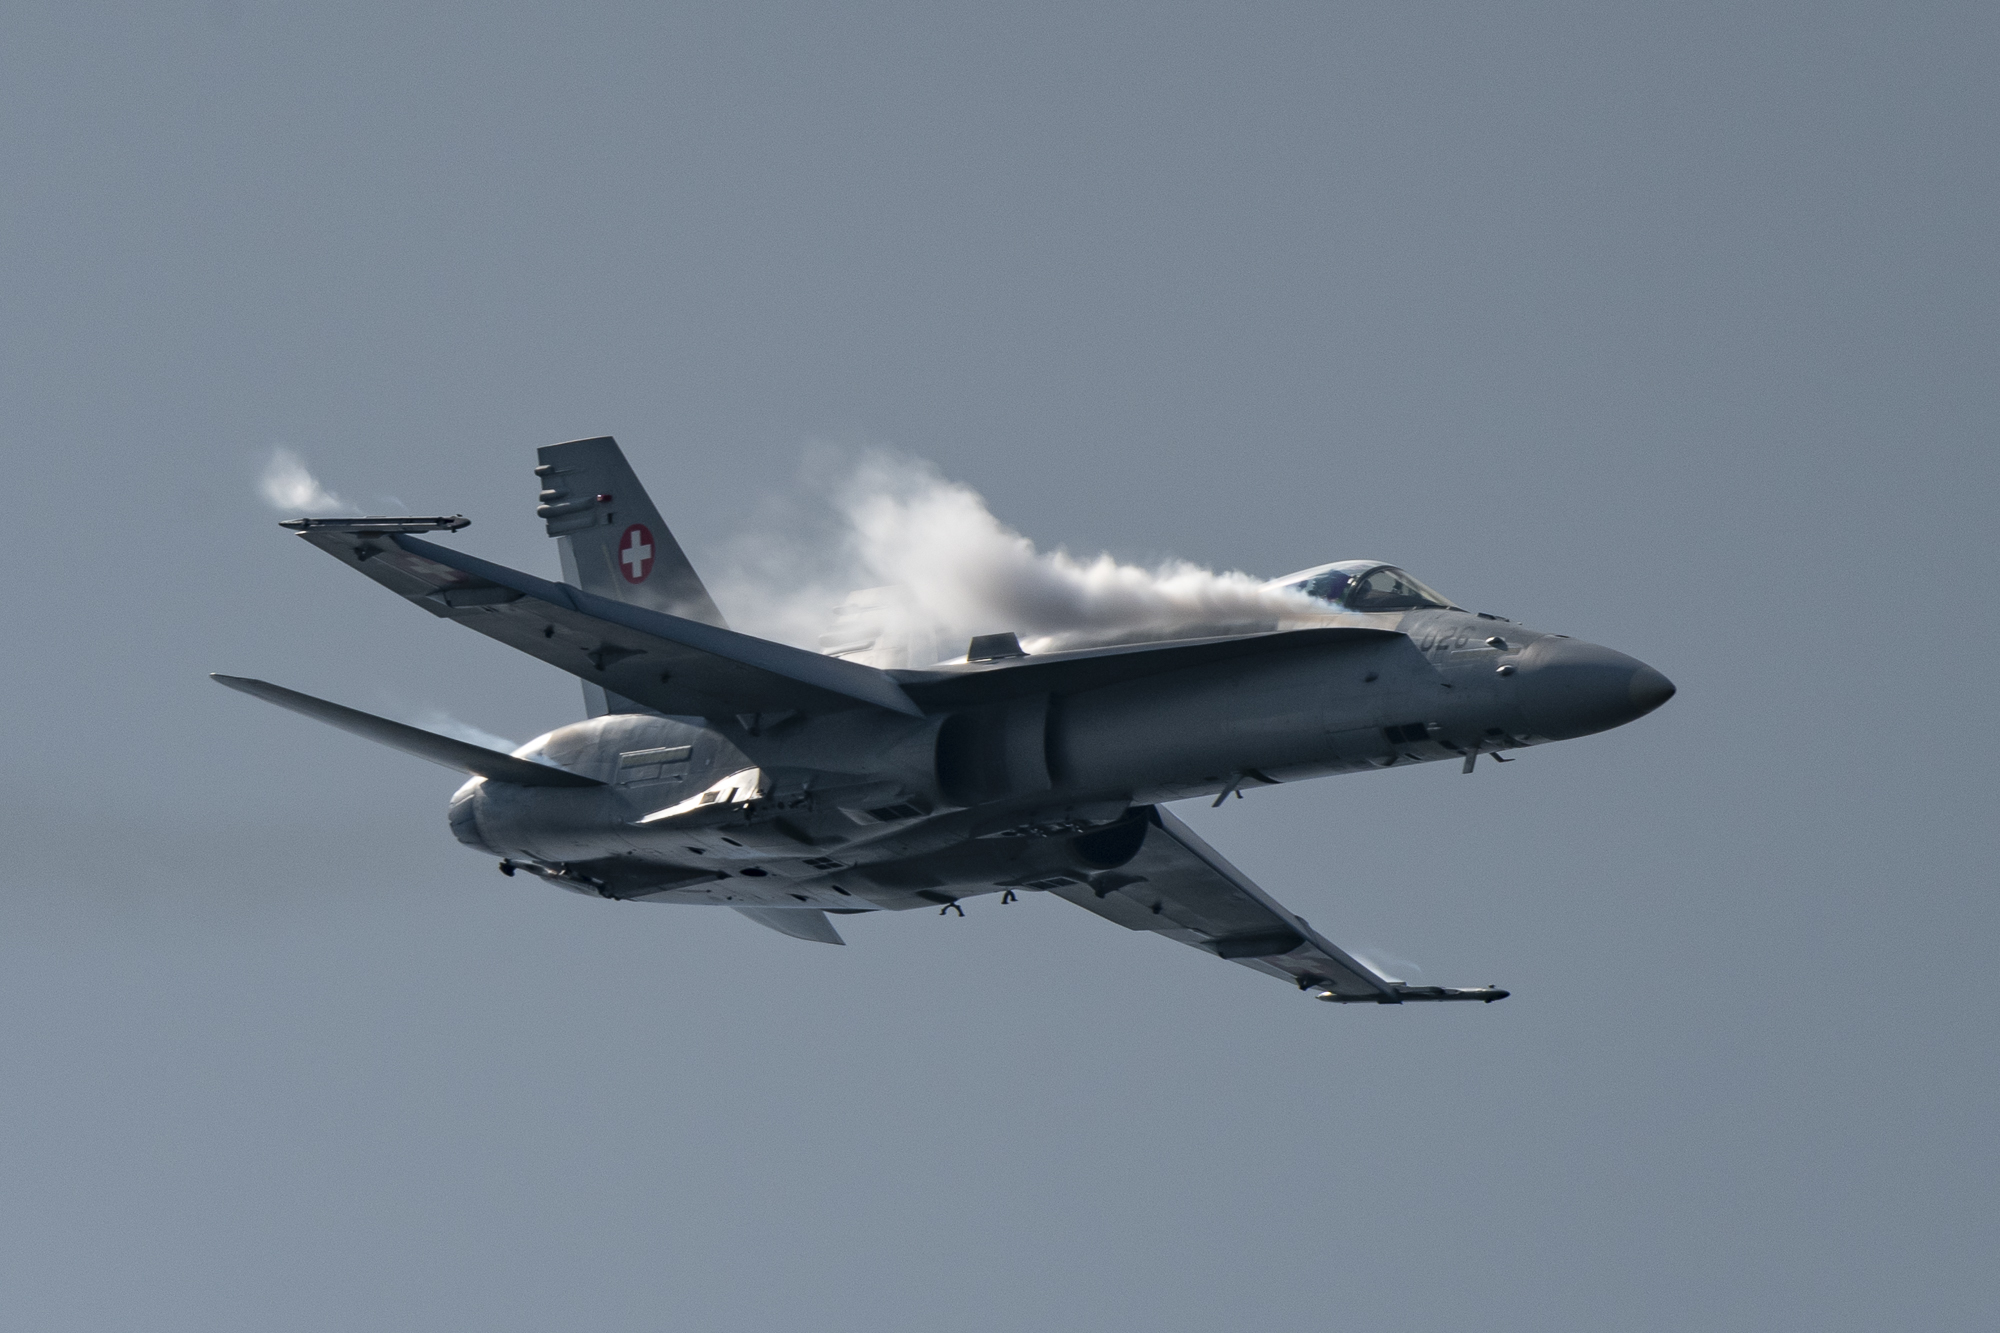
(892,790)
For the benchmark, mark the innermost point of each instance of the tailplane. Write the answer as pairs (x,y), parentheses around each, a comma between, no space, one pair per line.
(466,758)
(614,543)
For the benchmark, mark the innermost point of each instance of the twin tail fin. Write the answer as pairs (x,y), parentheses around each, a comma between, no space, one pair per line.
(614,543)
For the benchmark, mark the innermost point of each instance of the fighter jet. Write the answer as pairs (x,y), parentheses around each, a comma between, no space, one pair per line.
(722,769)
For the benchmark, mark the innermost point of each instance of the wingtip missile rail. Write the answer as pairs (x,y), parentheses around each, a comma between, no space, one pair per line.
(380,526)
(1402,994)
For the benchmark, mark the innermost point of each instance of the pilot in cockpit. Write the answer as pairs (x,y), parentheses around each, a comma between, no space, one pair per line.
(1364,585)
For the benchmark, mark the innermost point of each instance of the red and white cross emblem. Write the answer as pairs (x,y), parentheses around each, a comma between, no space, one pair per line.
(635,553)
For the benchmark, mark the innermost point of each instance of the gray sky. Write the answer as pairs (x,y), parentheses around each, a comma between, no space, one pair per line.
(1668,326)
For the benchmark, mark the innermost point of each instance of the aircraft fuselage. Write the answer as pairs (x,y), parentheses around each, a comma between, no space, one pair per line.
(854,811)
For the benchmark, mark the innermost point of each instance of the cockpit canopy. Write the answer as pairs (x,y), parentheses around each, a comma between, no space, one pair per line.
(1363,585)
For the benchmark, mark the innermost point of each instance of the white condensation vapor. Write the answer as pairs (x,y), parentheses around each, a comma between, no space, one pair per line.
(938,567)
(288,485)
(444,724)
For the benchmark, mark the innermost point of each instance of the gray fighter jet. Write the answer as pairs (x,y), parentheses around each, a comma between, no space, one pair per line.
(720,768)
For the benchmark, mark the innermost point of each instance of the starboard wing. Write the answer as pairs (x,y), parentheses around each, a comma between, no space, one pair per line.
(1178,886)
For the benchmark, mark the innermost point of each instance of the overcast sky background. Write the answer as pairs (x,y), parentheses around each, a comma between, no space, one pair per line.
(1668,326)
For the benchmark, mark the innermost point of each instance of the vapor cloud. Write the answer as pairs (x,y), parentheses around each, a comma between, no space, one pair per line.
(1387,964)
(940,567)
(444,724)
(288,485)
(879,557)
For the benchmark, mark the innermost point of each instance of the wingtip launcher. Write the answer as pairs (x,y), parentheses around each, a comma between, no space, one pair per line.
(379,526)
(1402,994)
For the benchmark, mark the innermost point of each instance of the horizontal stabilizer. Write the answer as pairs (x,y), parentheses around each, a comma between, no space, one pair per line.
(475,759)
(801,923)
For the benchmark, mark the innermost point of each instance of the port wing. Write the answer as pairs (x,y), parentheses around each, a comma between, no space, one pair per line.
(678,666)
(1178,886)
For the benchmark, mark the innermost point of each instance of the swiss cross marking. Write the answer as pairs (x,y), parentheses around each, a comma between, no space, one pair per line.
(635,553)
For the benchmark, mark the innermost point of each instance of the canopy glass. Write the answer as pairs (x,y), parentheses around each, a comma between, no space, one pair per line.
(1363,585)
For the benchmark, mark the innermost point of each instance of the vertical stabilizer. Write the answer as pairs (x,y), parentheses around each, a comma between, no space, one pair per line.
(613,541)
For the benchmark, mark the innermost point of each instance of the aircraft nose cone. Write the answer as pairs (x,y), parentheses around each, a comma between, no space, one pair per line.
(1572,688)
(1649,689)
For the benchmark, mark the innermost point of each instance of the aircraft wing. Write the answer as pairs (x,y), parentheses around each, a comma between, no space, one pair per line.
(680,667)
(1180,887)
